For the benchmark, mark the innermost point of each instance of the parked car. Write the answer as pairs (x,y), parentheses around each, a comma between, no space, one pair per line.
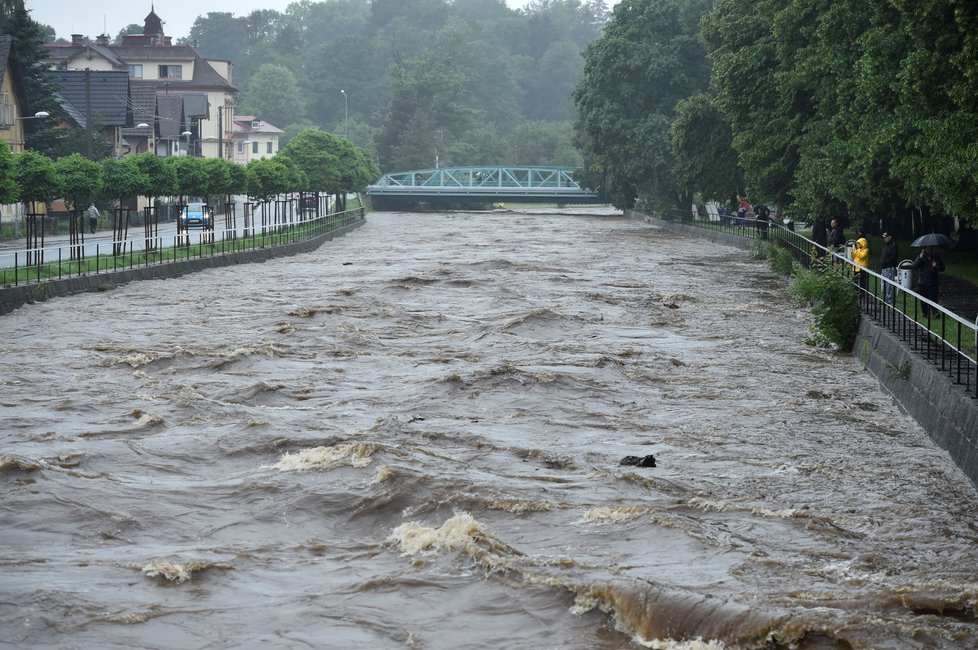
(196,215)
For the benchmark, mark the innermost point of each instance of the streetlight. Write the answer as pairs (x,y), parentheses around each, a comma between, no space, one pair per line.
(187,135)
(346,115)
(143,125)
(36,116)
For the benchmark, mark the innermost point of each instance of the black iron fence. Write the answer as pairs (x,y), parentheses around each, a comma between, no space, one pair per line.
(933,332)
(263,226)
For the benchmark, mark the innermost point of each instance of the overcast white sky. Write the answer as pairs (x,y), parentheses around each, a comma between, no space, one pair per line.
(110,16)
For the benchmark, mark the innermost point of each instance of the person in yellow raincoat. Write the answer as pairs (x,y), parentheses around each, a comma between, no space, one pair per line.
(860,257)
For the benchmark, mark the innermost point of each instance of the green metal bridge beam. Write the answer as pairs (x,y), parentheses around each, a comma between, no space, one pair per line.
(538,184)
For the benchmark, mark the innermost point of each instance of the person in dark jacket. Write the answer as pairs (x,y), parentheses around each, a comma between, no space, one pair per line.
(837,235)
(888,264)
(820,235)
(928,267)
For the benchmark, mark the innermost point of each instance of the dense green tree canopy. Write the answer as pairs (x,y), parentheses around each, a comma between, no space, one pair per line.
(865,108)
(332,164)
(9,191)
(36,177)
(419,75)
(81,179)
(650,57)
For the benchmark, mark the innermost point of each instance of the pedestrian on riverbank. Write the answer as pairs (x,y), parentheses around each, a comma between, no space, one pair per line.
(888,264)
(837,235)
(763,220)
(92,217)
(820,235)
(860,257)
(928,266)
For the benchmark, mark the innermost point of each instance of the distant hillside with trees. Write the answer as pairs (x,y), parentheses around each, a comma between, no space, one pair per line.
(467,81)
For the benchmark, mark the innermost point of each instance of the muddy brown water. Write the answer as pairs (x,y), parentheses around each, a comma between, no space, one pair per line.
(410,438)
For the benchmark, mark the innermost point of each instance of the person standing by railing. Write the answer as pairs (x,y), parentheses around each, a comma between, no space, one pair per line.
(928,267)
(820,235)
(888,264)
(860,257)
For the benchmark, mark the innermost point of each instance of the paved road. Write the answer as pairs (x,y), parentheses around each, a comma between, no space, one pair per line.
(14,252)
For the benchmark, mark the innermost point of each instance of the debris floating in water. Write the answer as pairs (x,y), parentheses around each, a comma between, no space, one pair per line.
(644,461)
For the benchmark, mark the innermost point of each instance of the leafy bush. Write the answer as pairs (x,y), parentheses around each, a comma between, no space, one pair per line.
(835,306)
(778,258)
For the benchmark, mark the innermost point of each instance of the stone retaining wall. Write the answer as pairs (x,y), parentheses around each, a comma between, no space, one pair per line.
(13,297)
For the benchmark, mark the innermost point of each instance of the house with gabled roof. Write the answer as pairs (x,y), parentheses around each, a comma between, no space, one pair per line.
(12,103)
(254,139)
(95,98)
(181,103)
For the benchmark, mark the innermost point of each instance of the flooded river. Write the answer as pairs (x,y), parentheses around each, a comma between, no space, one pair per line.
(411,438)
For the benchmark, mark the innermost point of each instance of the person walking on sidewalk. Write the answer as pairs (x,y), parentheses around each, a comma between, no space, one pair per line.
(92,217)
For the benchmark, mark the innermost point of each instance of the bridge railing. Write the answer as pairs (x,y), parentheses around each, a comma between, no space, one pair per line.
(510,177)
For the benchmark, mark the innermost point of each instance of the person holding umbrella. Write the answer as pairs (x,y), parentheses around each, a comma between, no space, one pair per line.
(928,267)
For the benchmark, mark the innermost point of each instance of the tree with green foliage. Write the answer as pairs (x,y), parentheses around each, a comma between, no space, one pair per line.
(650,57)
(706,162)
(218,35)
(273,94)
(27,58)
(121,179)
(332,164)
(9,190)
(217,179)
(267,178)
(544,143)
(36,177)
(81,179)
(159,175)
(189,176)
(131,28)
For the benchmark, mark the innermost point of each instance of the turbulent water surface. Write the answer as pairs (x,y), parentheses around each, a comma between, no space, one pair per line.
(411,438)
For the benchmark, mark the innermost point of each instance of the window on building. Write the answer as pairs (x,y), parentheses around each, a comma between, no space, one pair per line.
(256,124)
(254,147)
(171,72)
(268,147)
(136,71)
(6,111)
(241,147)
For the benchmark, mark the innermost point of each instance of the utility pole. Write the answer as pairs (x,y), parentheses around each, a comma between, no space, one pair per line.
(88,113)
(220,131)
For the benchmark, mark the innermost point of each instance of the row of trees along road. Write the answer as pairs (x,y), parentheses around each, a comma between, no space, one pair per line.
(859,109)
(312,161)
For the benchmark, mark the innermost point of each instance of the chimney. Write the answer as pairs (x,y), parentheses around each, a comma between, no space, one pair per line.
(77,40)
(102,39)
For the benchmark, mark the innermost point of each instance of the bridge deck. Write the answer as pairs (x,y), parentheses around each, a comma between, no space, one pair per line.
(535,184)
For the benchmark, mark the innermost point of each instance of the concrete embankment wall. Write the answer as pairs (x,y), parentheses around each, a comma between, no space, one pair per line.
(944,410)
(13,297)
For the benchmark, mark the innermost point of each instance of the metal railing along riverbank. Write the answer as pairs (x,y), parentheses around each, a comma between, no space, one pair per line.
(38,265)
(937,334)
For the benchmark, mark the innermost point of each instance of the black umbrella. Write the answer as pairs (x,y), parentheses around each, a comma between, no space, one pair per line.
(932,239)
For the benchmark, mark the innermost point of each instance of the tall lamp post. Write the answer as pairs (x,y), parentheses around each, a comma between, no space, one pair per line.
(346,115)
(40,115)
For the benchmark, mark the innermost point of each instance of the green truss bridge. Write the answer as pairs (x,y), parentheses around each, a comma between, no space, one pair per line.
(466,185)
